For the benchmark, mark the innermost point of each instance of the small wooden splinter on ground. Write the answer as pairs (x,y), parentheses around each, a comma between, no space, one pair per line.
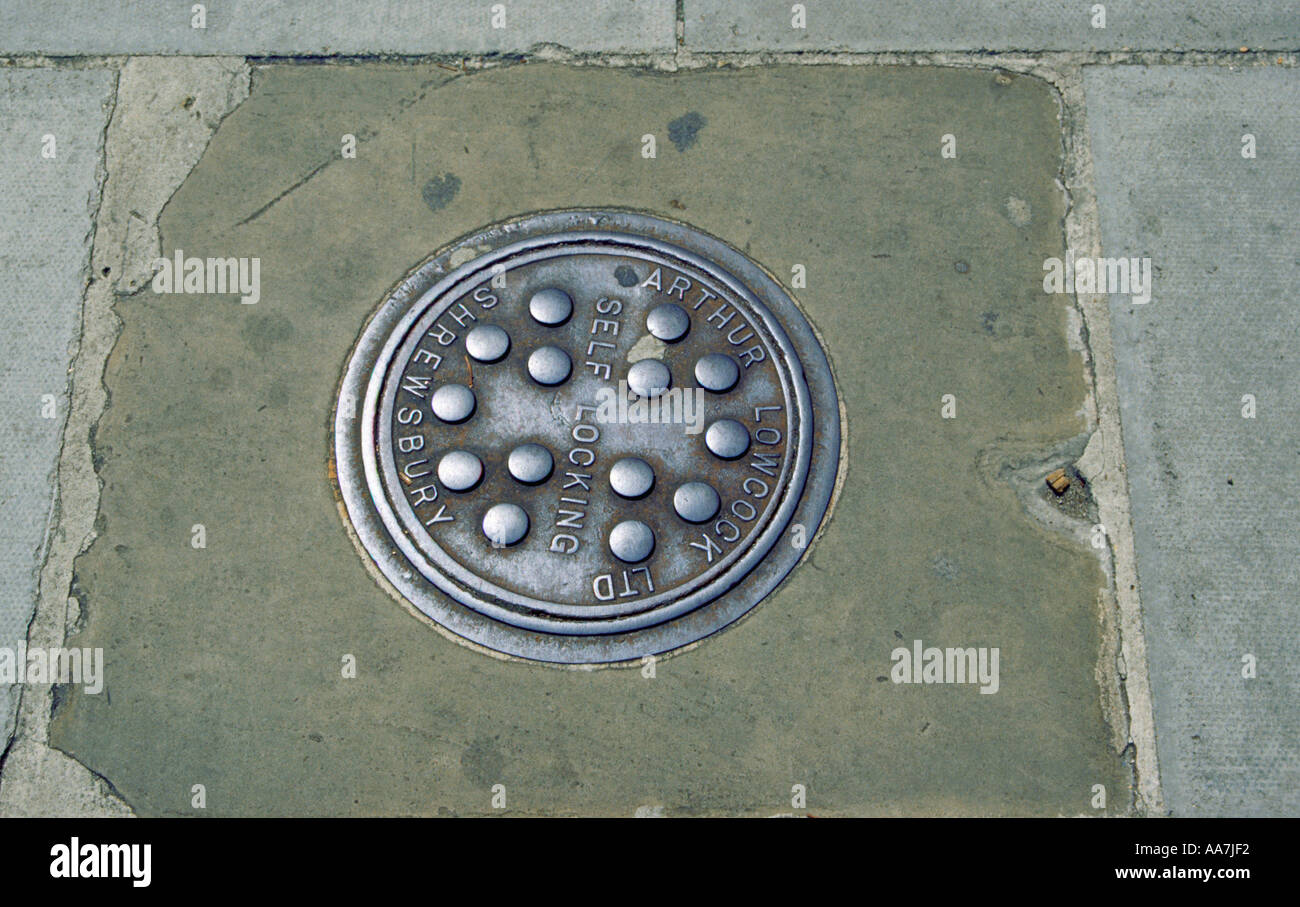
(1058,481)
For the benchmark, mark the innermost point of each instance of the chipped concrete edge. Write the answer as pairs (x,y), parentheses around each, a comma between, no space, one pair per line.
(1121,669)
(1103,464)
(26,752)
(163,112)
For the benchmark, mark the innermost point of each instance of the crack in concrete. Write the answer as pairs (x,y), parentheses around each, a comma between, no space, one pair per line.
(273,202)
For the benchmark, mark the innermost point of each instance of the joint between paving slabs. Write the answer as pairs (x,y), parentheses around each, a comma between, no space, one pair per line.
(1123,672)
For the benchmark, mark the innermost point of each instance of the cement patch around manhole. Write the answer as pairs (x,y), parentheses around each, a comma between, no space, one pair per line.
(223,662)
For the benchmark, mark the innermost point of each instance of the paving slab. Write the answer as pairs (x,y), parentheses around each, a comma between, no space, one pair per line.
(51,138)
(1207,381)
(302,28)
(972,25)
(223,661)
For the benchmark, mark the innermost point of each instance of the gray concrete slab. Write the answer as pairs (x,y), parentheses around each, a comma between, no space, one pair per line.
(302,27)
(1214,494)
(1028,25)
(922,277)
(51,138)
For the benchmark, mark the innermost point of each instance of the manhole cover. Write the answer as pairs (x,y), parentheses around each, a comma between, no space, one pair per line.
(586,437)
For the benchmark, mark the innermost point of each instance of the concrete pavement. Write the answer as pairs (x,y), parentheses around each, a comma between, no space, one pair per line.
(301,28)
(51,151)
(973,25)
(237,684)
(784,161)
(1207,374)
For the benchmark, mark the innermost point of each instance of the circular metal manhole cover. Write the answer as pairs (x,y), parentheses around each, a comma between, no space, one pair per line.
(586,437)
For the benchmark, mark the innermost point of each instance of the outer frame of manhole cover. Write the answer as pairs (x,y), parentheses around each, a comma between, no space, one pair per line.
(578,563)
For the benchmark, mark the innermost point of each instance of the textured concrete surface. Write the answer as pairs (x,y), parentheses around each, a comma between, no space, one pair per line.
(303,28)
(224,662)
(1029,25)
(164,112)
(47,201)
(1214,494)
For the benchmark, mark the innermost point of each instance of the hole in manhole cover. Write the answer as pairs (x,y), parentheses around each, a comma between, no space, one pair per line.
(586,437)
